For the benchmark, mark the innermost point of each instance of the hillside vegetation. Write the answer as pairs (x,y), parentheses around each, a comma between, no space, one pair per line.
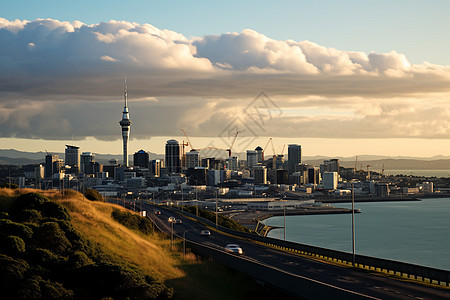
(44,252)
(56,246)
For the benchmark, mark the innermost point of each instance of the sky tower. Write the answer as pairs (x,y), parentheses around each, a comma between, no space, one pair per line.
(125,123)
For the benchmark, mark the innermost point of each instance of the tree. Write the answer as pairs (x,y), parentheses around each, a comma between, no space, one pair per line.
(93,195)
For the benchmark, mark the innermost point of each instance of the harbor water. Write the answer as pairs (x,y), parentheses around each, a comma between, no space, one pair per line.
(416,232)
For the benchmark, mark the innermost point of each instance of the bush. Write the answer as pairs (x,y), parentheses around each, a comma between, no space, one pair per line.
(54,210)
(12,245)
(50,236)
(28,201)
(8,227)
(28,216)
(11,271)
(132,221)
(93,195)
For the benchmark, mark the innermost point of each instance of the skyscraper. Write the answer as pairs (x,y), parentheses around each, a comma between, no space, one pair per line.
(125,123)
(73,158)
(141,159)
(294,157)
(192,159)
(259,154)
(173,158)
(252,158)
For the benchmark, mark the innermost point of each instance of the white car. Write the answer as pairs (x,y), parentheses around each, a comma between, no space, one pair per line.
(205,233)
(234,248)
(171,219)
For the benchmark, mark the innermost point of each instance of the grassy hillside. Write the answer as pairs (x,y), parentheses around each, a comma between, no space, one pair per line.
(73,249)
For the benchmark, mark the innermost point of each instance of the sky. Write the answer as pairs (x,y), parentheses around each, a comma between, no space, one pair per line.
(341,78)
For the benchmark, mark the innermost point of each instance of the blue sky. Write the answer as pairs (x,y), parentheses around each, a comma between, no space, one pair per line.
(348,77)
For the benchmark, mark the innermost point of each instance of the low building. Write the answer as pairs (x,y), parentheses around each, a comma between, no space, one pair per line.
(279,205)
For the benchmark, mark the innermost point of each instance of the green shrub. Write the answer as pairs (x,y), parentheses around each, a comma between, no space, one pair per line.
(8,227)
(45,258)
(11,271)
(54,210)
(132,221)
(28,201)
(50,236)
(12,245)
(4,215)
(28,216)
(93,195)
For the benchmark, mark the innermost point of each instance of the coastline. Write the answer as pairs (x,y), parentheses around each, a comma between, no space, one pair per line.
(250,219)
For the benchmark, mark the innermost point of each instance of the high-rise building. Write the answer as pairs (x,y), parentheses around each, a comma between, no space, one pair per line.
(86,164)
(125,123)
(330,180)
(141,159)
(192,159)
(260,175)
(73,157)
(173,157)
(259,154)
(232,163)
(294,157)
(331,165)
(49,164)
(155,167)
(252,158)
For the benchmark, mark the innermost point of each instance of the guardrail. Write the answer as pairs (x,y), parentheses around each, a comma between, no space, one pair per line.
(389,267)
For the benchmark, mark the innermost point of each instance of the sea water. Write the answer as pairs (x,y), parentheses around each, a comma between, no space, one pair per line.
(416,232)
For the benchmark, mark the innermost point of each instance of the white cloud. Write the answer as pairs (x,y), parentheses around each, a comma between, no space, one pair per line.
(57,77)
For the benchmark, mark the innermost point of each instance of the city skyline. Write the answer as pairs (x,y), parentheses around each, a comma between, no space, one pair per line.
(61,80)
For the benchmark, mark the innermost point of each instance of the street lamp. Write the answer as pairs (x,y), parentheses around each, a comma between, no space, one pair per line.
(216,211)
(353,225)
(171,237)
(284,213)
(182,199)
(184,243)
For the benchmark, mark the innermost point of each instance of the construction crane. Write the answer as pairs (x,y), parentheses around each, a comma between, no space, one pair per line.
(282,150)
(382,170)
(188,140)
(265,147)
(356,161)
(368,172)
(232,143)
(225,149)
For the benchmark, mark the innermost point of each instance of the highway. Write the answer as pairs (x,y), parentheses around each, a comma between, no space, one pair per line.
(361,283)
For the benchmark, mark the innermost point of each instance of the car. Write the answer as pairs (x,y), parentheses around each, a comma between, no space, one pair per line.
(157,212)
(171,219)
(178,221)
(234,248)
(205,233)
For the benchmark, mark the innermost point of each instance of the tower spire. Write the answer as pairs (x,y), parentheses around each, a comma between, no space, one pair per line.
(125,92)
(125,123)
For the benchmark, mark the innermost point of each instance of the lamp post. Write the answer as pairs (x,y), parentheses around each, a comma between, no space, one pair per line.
(216,211)
(182,198)
(171,237)
(184,243)
(353,225)
(284,213)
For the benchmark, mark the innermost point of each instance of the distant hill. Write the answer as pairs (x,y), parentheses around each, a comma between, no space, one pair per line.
(15,157)
(376,162)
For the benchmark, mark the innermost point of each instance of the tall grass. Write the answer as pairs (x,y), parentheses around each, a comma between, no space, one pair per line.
(151,253)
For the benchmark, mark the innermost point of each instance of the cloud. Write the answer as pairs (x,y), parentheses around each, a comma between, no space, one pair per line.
(59,79)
